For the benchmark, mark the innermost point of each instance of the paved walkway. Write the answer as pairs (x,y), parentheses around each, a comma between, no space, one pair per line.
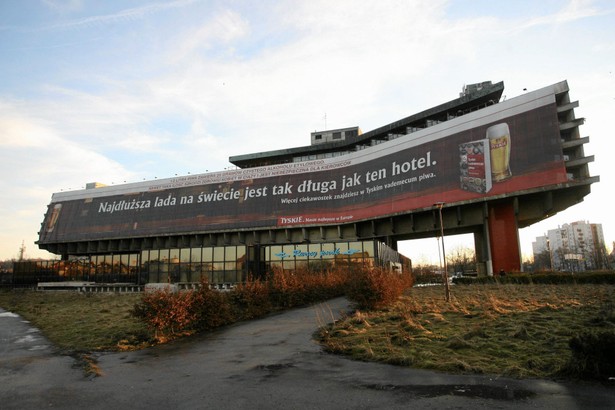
(270,363)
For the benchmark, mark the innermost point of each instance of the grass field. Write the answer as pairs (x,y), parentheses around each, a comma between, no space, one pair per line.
(79,322)
(512,330)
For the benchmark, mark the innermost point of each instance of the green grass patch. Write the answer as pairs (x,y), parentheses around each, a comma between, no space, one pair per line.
(509,330)
(79,322)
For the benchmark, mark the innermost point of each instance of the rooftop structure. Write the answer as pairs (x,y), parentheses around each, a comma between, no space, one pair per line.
(472,98)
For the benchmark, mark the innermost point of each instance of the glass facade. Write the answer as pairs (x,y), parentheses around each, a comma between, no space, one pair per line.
(319,256)
(217,265)
(225,264)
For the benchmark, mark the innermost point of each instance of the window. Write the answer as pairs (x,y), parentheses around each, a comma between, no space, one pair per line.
(327,251)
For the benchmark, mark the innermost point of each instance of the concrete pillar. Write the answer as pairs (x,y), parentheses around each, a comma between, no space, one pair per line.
(503,237)
(481,249)
(391,241)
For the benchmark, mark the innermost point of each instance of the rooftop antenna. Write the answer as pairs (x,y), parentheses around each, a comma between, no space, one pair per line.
(325,118)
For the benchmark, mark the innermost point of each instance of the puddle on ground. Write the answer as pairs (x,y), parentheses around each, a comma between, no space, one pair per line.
(467,390)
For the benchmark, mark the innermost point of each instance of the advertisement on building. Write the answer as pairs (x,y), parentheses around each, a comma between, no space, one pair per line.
(499,150)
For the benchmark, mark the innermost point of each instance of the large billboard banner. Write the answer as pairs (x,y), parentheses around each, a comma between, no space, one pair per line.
(499,150)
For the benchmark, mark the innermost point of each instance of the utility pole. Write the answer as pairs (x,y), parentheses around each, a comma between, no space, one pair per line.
(447,291)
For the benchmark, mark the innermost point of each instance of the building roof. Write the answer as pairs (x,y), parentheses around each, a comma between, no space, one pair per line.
(472,98)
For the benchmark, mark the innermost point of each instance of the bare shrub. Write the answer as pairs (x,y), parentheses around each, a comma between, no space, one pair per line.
(376,288)
(166,312)
(286,288)
(172,314)
(212,308)
(302,286)
(593,356)
(250,299)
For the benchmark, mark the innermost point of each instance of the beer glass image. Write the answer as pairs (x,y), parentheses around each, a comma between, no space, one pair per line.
(499,143)
(55,213)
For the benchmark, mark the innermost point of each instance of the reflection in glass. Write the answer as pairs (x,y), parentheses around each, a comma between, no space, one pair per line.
(208,255)
(327,251)
(218,254)
(301,252)
(368,248)
(343,247)
(184,255)
(230,253)
(315,249)
(275,253)
(195,255)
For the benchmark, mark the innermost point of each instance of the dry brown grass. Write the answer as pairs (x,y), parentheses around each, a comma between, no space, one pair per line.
(512,330)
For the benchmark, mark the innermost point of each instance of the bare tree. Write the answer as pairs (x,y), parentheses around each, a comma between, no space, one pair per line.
(542,261)
(599,257)
(462,259)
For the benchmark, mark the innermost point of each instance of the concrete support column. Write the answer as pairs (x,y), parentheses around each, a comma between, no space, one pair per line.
(391,242)
(481,248)
(504,237)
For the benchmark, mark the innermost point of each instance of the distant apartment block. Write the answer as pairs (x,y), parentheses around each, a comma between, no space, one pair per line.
(578,246)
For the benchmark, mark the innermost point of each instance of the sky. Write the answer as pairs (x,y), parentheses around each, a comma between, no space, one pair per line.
(113,91)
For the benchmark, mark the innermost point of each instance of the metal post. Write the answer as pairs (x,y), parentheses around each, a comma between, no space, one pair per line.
(447,291)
